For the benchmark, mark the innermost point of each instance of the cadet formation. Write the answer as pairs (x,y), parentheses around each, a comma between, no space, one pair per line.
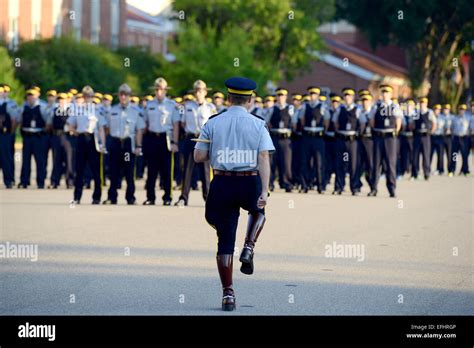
(332,143)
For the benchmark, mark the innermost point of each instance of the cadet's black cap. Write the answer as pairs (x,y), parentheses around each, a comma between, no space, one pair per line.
(240,86)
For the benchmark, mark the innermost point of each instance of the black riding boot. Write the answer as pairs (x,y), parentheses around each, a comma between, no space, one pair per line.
(224,265)
(254,227)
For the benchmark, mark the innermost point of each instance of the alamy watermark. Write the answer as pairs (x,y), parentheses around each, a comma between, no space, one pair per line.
(21,251)
(346,251)
(237,156)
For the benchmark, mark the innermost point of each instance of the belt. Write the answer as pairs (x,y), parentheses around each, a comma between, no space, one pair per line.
(313,133)
(32,133)
(122,140)
(423,134)
(85,134)
(161,134)
(192,135)
(346,137)
(5,130)
(58,132)
(385,134)
(229,173)
(407,134)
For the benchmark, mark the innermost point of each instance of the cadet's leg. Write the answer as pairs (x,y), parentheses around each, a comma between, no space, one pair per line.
(129,170)
(288,177)
(166,168)
(114,169)
(40,152)
(6,159)
(319,164)
(464,147)
(68,151)
(390,149)
(188,171)
(339,183)
(416,156)
(26,161)
(94,159)
(57,164)
(369,153)
(150,148)
(378,143)
(351,145)
(250,189)
(206,178)
(81,157)
(426,156)
(222,213)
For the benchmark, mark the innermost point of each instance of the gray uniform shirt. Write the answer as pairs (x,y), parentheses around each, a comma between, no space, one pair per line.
(160,116)
(123,122)
(461,125)
(195,115)
(236,138)
(87,118)
(12,109)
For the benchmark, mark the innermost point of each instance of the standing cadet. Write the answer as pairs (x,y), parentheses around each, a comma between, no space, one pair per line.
(14,111)
(279,119)
(62,148)
(236,184)
(314,119)
(346,125)
(33,120)
(461,138)
(50,106)
(296,141)
(448,138)
(471,128)
(366,143)
(385,120)
(424,123)
(125,125)
(196,114)
(406,138)
(256,106)
(161,140)
(330,141)
(269,103)
(437,140)
(219,101)
(8,117)
(88,124)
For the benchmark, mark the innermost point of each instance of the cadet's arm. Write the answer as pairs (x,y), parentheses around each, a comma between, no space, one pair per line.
(264,169)
(201,155)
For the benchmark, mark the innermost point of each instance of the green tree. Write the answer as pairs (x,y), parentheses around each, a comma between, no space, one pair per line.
(434,34)
(65,63)
(7,75)
(281,33)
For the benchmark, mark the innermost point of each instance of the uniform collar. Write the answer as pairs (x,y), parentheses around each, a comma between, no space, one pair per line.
(237,108)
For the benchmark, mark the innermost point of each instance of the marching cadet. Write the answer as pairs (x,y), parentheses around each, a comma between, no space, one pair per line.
(50,106)
(279,120)
(406,138)
(296,141)
(161,140)
(33,118)
(424,123)
(8,120)
(269,103)
(219,101)
(256,105)
(448,138)
(366,143)
(125,126)
(461,138)
(437,140)
(87,123)
(471,127)
(346,124)
(107,102)
(61,147)
(330,141)
(314,119)
(236,185)
(196,114)
(385,120)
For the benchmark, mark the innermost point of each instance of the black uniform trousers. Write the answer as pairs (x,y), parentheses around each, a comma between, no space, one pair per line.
(36,145)
(438,149)
(448,149)
(313,149)
(62,158)
(385,151)
(204,169)
(7,157)
(159,160)
(406,154)
(281,161)
(297,149)
(86,154)
(421,145)
(461,144)
(346,160)
(227,194)
(121,160)
(329,158)
(365,162)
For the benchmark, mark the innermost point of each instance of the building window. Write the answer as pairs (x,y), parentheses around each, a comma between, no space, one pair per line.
(114,23)
(95,21)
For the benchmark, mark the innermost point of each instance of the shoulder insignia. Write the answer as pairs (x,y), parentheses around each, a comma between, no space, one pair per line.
(217,114)
(257,116)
